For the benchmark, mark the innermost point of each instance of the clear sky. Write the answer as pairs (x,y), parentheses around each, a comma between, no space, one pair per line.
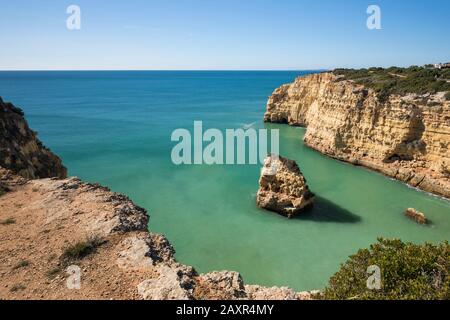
(222,34)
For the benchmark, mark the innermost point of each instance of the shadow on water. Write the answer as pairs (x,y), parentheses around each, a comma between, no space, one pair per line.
(326,211)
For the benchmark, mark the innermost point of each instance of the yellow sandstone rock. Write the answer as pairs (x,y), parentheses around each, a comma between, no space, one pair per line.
(282,187)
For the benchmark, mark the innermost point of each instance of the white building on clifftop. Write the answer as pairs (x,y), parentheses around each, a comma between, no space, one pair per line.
(442,65)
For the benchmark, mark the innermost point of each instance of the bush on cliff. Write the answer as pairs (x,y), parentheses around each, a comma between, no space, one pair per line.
(400,81)
(447,96)
(408,271)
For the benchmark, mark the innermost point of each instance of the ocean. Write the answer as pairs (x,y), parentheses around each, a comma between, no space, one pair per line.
(114,127)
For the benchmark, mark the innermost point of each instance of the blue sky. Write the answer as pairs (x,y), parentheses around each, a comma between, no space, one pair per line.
(222,34)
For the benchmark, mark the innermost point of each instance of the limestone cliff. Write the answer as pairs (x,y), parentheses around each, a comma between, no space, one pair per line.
(20,149)
(405,137)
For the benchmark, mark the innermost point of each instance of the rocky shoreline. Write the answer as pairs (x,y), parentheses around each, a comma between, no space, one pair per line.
(47,224)
(404,137)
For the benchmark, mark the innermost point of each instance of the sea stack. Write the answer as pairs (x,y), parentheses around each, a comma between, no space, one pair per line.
(282,187)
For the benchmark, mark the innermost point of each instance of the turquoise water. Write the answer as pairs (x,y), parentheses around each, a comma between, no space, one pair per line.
(115,127)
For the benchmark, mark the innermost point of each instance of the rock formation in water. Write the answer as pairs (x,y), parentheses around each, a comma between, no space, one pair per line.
(49,225)
(20,149)
(404,137)
(282,187)
(416,215)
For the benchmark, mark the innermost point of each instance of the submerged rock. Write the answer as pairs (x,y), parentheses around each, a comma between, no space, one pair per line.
(416,215)
(282,187)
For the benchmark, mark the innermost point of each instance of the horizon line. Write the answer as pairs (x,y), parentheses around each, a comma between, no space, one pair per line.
(232,70)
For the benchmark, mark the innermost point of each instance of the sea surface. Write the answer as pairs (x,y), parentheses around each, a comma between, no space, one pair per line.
(115,127)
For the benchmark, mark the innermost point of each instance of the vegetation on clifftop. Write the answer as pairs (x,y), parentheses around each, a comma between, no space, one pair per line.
(401,81)
(408,271)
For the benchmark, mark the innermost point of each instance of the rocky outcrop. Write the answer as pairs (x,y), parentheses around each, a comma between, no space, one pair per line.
(276,293)
(404,137)
(224,285)
(20,149)
(416,215)
(282,187)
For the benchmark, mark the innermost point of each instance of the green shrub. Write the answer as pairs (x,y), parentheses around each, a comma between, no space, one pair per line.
(81,249)
(447,96)
(408,271)
(21,264)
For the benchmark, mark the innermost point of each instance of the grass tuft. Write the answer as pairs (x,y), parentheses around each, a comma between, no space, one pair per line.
(17,287)
(52,273)
(81,249)
(8,221)
(22,264)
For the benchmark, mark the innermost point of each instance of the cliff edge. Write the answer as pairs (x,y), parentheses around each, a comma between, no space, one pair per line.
(20,149)
(406,137)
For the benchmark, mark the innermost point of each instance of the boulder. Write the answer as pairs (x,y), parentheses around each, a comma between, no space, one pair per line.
(171,284)
(221,285)
(416,215)
(282,187)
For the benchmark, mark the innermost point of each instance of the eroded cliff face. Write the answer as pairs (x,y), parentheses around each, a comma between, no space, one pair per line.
(20,149)
(404,137)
